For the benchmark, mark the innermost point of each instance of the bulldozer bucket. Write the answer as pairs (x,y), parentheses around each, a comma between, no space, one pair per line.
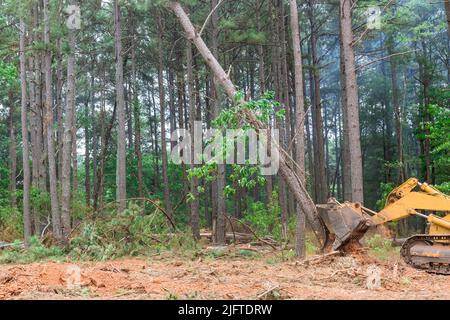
(346,222)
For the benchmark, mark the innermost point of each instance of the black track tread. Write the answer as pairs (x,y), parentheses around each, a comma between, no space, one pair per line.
(441,268)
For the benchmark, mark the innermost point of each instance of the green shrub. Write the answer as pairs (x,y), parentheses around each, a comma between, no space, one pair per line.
(266,220)
(11,223)
(381,247)
(35,252)
(385,189)
(130,233)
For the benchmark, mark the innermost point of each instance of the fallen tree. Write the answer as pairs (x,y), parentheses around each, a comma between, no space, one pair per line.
(287,170)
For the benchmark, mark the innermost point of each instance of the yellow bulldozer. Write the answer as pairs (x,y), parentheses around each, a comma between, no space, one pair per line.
(431,251)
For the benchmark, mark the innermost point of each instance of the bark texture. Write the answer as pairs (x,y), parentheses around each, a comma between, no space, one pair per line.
(67,135)
(351,104)
(25,146)
(299,134)
(121,192)
(48,124)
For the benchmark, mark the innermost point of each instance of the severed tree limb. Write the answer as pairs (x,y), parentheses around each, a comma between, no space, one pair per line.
(152,202)
(296,186)
(268,291)
(254,233)
(161,209)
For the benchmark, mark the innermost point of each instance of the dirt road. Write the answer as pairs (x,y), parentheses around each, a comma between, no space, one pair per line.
(169,277)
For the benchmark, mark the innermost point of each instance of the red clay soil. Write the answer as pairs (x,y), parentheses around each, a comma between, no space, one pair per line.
(169,277)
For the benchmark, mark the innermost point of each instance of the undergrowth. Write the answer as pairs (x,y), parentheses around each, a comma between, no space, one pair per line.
(110,235)
(35,252)
(128,234)
(381,248)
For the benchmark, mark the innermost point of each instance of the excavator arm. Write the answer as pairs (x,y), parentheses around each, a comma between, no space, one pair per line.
(430,252)
(350,221)
(402,202)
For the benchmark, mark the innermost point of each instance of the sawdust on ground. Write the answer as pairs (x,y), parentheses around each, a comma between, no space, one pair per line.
(167,276)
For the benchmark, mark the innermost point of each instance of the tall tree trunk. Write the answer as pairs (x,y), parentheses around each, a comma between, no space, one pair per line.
(351,105)
(319,157)
(98,182)
(345,151)
(25,148)
(105,138)
(12,150)
(192,118)
(447,13)
(128,111)
(74,160)
(286,98)
(220,218)
(181,104)
(154,122)
(162,110)
(388,111)
(68,134)
(58,105)
(137,121)
(87,135)
(296,186)
(262,88)
(56,218)
(172,113)
(300,127)
(121,183)
(36,121)
(309,149)
(280,124)
(96,134)
(425,115)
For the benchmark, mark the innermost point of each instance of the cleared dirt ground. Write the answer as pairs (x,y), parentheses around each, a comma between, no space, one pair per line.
(266,277)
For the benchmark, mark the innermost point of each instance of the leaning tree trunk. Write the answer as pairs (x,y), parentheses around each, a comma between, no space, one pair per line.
(296,186)
(25,148)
